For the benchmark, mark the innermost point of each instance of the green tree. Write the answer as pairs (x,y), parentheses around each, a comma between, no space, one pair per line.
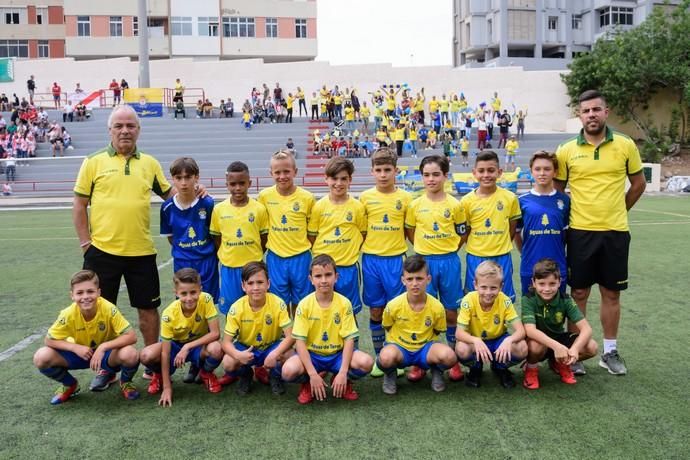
(631,66)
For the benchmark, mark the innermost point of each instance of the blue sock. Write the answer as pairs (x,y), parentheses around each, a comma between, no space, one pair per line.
(378,335)
(210,364)
(59,374)
(450,336)
(304,378)
(128,373)
(355,374)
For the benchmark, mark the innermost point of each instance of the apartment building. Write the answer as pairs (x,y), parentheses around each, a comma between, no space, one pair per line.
(537,34)
(32,30)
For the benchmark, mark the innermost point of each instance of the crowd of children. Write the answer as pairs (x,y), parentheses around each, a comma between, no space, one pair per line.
(293,318)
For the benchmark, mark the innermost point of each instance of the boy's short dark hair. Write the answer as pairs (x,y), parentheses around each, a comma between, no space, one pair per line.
(322,260)
(589,95)
(237,167)
(487,155)
(187,276)
(337,165)
(544,155)
(252,268)
(414,264)
(441,161)
(184,165)
(384,156)
(545,268)
(84,275)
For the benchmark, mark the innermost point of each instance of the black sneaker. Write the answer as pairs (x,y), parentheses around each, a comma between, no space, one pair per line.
(473,377)
(506,378)
(277,387)
(244,386)
(192,375)
(102,380)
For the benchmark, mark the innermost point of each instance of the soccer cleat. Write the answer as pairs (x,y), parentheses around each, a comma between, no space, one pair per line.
(155,384)
(613,362)
(350,394)
(390,383)
(102,380)
(415,374)
(227,379)
(192,375)
(64,392)
(474,377)
(210,381)
(531,380)
(376,372)
(578,368)
(505,377)
(437,383)
(305,396)
(261,375)
(148,374)
(129,391)
(563,370)
(455,373)
(244,386)
(277,387)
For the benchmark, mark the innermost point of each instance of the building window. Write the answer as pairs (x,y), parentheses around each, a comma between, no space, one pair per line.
(83,26)
(208,26)
(238,27)
(615,15)
(43,49)
(135,26)
(271,27)
(41,15)
(11,15)
(553,23)
(181,25)
(116,26)
(14,48)
(300,28)
(577,22)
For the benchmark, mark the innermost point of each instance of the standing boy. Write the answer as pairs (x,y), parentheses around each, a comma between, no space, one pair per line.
(434,224)
(90,333)
(325,331)
(511,147)
(492,215)
(486,314)
(542,228)
(254,332)
(239,226)
(189,332)
(288,255)
(413,321)
(337,227)
(385,245)
(544,313)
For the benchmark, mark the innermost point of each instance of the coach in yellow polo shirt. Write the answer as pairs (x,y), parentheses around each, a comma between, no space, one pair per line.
(116,183)
(595,165)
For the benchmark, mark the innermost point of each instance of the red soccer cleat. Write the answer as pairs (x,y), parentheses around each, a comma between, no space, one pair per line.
(227,379)
(350,394)
(261,375)
(304,396)
(564,371)
(210,381)
(455,373)
(155,384)
(415,374)
(531,380)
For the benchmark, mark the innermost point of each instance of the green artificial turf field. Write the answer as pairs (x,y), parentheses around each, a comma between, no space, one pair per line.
(644,414)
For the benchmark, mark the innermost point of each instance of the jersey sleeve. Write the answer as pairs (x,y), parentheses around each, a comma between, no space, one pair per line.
(411,215)
(459,214)
(263,219)
(387,318)
(210,310)
(84,183)
(464,315)
(167,331)
(160,185)
(528,306)
(573,312)
(562,157)
(210,204)
(284,320)
(515,212)
(166,228)
(634,164)
(118,322)
(314,220)
(232,323)
(61,328)
(510,313)
(362,218)
(301,328)
(349,330)
(214,228)
(440,320)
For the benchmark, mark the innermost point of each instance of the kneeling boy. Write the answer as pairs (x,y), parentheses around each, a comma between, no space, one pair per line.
(325,332)
(90,333)
(413,321)
(254,331)
(544,312)
(485,316)
(189,332)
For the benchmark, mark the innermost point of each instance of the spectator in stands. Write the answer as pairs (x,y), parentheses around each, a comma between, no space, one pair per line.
(80,110)
(41,124)
(247,106)
(55,139)
(290,147)
(24,104)
(227,109)
(271,114)
(179,91)
(68,112)
(207,108)
(3,125)
(504,123)
(115,88)
(66,139)
(302,102)
(4,103)
(179,109)
(266,93)
(199,108)
(277,94)
(6,189)
(123,86)
(57,92)
(31,87)
(255,94)
(15,101)
(78,91)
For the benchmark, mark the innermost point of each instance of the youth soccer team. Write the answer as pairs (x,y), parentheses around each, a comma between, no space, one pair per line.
(293,318)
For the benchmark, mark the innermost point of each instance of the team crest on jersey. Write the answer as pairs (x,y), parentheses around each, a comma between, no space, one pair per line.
(499,205)
(295,207)
(398,205)
(487,223)
(283,307)
(560,204)
(191,233)
(427,321)
(298,312)
(348,217)
(259,337)
(414,336)
(269,320)
(336,318)
(197,318)
(165,319)
(251,217)
(324,337)
(101,326)
(446,213)
(497,320)
(113,311)
(559,316)
(202,214)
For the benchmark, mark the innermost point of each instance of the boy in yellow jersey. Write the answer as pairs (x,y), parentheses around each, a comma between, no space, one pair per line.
(465,151)
(418,107)
(247,120)
(337,227)
(239,226)
(486,314)
(349,118)
(189,332)
(289,102)
(492,216)
(434,224)
(413,321)
(325,331)
(385,247)
(444,107)
(511,150)
(288,255)
(90,333)
(413,135)
(254,332)
(433,105)
(399,138)
(364,114)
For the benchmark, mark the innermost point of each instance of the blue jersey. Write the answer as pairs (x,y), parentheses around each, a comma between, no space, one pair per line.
(189,228)
(543,224)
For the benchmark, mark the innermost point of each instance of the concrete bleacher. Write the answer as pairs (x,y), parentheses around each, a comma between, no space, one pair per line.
(214,143)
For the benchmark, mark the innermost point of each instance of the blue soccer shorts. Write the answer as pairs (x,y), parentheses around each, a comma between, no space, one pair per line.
(74,361)
(445,282)
(348,285)
(327,363)
(208,270)
(289,276)
(506,263)
(415,358)
(381,279)
(194,355)
(259,355)
(230,287)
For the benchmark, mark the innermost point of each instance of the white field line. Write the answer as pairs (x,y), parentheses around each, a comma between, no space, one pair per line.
(660,212)
(58,238)
(40,333)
